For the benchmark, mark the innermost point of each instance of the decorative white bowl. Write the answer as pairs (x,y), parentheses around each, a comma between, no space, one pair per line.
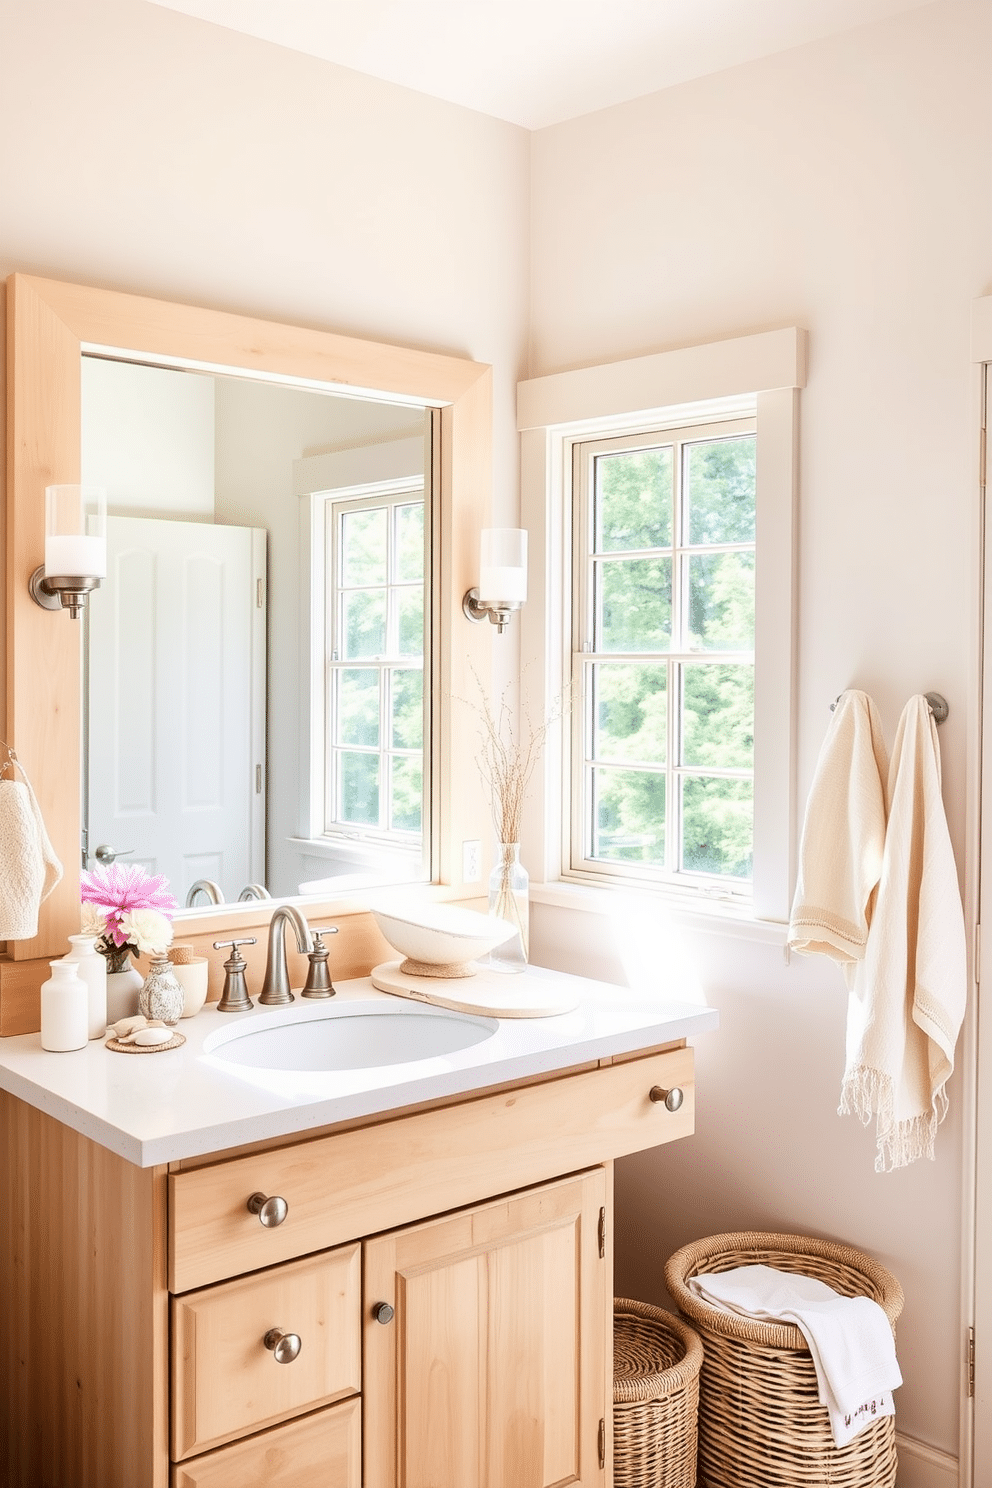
(441,940)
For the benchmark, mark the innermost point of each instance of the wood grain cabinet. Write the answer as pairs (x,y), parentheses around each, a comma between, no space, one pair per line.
(489,1365)
(433,1308)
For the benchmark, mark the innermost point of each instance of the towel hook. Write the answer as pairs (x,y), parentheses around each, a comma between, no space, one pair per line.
(10,761)
(937,703)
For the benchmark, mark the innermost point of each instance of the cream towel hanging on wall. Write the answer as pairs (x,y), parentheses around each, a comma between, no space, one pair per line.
(909,994)
(840,859)
(29,869)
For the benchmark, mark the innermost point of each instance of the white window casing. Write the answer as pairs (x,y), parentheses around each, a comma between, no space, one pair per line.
(756,375)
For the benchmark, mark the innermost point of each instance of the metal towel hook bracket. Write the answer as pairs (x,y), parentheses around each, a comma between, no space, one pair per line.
(937,702)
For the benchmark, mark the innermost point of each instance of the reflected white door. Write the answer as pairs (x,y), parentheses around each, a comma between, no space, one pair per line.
(177,702)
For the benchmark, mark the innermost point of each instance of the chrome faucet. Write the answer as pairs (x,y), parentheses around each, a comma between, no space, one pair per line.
(204,886)
(275,987)
(253,891)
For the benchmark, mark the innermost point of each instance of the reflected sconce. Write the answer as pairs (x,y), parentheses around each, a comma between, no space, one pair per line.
(75,548)
(502,578)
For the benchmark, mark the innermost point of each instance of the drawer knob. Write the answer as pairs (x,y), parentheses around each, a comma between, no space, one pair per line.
(670,1099)
(271,1212)
(285,1346)
(383,1313)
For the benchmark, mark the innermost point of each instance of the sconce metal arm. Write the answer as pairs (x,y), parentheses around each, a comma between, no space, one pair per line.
(497,614)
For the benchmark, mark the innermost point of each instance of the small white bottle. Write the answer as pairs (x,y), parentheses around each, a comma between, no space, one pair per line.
(64,1009)
(92,967)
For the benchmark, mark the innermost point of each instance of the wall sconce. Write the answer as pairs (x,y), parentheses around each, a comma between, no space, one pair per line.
(502,578)
(75,548)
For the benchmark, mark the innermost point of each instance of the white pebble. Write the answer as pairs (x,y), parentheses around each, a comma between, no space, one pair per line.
(153,1035)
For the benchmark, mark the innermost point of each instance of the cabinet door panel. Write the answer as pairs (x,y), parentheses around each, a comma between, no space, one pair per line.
(494,1370)
(226,1382)
(321,1451)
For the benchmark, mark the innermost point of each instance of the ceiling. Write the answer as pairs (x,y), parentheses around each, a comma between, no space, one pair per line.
(538,62)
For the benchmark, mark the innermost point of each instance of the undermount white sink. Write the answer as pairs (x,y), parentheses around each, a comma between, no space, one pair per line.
(348,1036)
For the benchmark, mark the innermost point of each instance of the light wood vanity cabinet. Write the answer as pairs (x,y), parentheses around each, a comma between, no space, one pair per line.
(493,1370)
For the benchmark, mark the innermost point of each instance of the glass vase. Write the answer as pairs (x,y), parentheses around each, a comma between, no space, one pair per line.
(509,900)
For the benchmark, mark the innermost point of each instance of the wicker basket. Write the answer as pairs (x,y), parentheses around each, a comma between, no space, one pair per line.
(760,1422)
(656,1361)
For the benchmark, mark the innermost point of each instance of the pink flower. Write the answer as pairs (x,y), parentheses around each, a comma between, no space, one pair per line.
(121,888)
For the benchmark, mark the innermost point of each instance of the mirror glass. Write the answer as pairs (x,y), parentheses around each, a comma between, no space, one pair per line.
(257,719)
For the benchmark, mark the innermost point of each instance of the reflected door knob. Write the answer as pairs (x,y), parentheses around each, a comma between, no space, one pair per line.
(670,1099)
(271,1211)
(105,854)
(383,1313)
(285,1346)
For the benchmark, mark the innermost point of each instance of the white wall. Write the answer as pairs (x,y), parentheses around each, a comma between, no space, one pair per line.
(148,439)
(844,187)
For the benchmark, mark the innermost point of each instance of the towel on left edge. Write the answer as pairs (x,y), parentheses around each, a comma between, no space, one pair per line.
(909,995)
(850,1340)
(840,859)
(29,869)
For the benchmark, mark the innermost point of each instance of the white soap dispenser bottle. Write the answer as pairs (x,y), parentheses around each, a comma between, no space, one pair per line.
(92,967)
(64,1009)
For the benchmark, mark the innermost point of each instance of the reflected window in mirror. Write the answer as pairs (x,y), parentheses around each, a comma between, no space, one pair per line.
(373,704)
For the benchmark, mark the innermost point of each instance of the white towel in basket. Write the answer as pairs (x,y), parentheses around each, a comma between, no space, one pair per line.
(849,1338)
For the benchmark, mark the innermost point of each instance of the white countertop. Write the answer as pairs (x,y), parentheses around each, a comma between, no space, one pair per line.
(157,1108)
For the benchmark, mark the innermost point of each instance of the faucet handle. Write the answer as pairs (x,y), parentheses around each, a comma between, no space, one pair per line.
(319,982)
(235,998)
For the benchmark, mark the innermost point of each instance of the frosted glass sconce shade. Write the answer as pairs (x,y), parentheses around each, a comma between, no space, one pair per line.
(502,576)
(75,547)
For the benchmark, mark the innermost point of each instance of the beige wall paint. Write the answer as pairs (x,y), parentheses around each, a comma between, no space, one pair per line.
(845,187)
(144,150)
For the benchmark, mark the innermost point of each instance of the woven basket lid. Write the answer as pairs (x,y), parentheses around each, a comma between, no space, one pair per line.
(753,1247)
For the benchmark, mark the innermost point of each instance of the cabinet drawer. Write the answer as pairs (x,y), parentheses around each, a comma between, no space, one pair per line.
(377,1177)
(226,1382)
(321,1451)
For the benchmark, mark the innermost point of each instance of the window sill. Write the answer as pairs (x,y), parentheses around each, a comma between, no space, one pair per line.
(716,917)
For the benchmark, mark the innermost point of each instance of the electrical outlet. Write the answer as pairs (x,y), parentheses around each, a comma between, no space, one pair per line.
(471,862)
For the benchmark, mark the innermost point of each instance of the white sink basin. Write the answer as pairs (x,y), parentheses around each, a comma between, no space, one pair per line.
(346,1037)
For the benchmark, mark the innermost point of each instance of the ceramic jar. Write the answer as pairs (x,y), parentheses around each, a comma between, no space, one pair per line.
(92,967)
(123,986)
(161,995)
(192,978)
(64,1009)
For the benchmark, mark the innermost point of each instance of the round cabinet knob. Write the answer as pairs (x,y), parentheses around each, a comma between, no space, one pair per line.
(285,1346)
(670,1099)
(383,1313)
(271,1211)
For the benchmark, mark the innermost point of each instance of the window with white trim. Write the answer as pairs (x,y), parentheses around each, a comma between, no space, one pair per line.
(745,387)
(660,785)
(373,715)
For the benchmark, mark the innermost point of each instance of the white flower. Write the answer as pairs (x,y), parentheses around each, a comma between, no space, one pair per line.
(148,930)
(92,922)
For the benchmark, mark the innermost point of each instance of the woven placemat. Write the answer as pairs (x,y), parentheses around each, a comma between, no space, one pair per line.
(116,1047)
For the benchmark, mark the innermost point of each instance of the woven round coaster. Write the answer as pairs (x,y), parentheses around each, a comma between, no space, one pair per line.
(116,1047)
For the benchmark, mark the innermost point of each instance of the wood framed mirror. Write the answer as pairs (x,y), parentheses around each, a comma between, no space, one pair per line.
(49,326)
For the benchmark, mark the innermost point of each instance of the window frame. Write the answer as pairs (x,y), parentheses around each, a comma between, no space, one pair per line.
(386,495)
(720,380)
(578,806)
